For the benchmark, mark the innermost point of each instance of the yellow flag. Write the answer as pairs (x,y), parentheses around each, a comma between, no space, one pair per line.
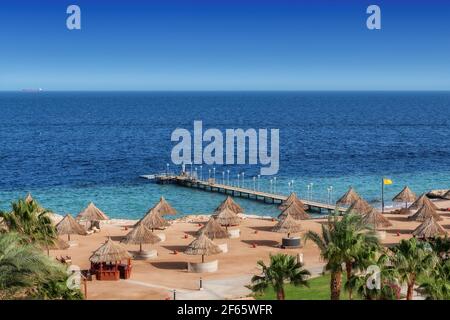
(387,181)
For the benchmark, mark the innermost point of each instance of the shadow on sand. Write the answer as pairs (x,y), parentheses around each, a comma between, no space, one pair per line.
(262,243)
(172,265)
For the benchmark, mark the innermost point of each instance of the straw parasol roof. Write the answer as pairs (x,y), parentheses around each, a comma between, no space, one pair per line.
(287,225)
(59,244)
(424,212)
(230,204)
(139,235)
(203,246)
(28,198)
(429,228)
(296,211)
(375,219)
(213,230)
(406,195)
(92,213)
(110,251)
(163,207)
(423,199)
(227,217)
(3,226)
(68,225)
(360,206)
(153,220)
(290,200)
(349,197)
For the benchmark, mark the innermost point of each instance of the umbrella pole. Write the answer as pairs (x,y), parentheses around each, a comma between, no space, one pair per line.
(203,258)
(140,246)
(68,237)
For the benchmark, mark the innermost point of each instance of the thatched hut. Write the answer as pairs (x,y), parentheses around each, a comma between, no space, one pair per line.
(360,206)
(290,200)
(423,199)
(68,225)
(93,215)
(202,246)
(153,220)
(429,228)
(213,230)
(227,217)
(424,212)
(348,198)
(230,204)
(288,225)
(295,211)
(140,235)
(106,261)
(375,219)
(164,208)
(406,196)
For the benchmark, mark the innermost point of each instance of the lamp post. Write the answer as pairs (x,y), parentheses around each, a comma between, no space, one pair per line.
(331,194)
(196,176)
(228,176)
(238,175)
(254,183)
(214,174)
(209,174)
(292,186)
(271,185)
(274,184)
(243,175)
(289,186)
(259,177)
(312,184)
(167,169)
(201,173)
(223,177)
(308,191)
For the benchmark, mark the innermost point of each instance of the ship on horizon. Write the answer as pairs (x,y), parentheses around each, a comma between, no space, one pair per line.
(32,90)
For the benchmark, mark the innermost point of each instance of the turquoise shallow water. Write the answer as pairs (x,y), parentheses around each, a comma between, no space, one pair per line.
(71,148)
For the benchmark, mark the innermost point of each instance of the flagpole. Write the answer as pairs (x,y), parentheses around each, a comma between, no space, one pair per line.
(382,195)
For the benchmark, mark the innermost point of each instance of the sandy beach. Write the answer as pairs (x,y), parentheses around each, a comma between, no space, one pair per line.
(157,278)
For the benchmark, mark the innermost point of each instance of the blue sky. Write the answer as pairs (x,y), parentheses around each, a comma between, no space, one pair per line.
(225,45)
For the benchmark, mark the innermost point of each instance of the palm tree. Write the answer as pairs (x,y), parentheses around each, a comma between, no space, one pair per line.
(344,241)
(411,259)
(25,272)
(31,220)
(283,268)
(437,285)
(388,288)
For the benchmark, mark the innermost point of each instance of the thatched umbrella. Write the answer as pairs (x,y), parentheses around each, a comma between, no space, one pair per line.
(290,200)
(164,208)
(360,206)
(349,197)
(153,220)
(203,246)
(141,235)
(213,230)
(287,225)
(430,228)
(92,213)
(227,217)
(68,225)
(424,212)
(28,198)
(406,195)
(59,244)
(110,251)
(375,219)
(423,199)
(296,211)
(230,204)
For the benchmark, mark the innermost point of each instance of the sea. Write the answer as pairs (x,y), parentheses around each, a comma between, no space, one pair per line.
(70,148)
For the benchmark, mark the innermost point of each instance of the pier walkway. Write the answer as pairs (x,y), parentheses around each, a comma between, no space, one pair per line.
(211,186)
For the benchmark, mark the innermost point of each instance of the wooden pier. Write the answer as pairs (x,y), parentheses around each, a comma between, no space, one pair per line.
(234,191)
